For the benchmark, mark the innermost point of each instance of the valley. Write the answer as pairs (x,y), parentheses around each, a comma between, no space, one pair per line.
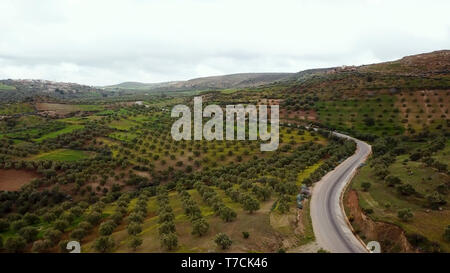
(99,164)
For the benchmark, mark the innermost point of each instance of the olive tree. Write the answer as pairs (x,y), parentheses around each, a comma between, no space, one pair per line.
(135,242)
(78,234)
(15,244)
(107,228)
(134,228)
(104,244)
(29,233)
(223,240)
(250,204)
(169,241)
(200,227)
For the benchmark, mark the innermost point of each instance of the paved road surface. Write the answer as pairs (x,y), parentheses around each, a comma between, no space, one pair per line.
(330,226)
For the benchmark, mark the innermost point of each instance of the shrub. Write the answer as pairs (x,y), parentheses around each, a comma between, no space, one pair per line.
(49,217)
(107,228)
(40,245)
(435,200)
(53,236)
(63,246)
(17,225)
(392,180)
(283,204)
(167,227)
(169,241)
(365,186)
(4,225)
(135,242)
(166,217)
(85,225)
(28,233)
(406,190)
(31,218)
(78,234)
(405,214)
(60,225)
(245,234)
(250,204)
(422,243)
(136,217)
(447,234)
(104,244)
(227,214)
(223,240)
(369,121)
(117,218)
(77,211)
(134,228)
(69,217)
(368,211)
(200,227)
(15,244)
(94,218)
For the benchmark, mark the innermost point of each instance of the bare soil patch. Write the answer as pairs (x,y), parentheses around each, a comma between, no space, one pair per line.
(310,115)
(391,237)
(13,180)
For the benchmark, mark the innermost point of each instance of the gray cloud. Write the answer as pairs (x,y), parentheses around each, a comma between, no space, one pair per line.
(105,42)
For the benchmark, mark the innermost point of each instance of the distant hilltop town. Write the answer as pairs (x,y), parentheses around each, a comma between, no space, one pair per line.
(47,86)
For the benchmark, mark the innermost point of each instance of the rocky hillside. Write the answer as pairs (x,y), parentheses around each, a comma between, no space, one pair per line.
(242,80)
(137,86)
(437,62)
(429,71)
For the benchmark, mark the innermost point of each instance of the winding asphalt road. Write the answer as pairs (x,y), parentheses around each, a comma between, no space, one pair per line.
(330,225)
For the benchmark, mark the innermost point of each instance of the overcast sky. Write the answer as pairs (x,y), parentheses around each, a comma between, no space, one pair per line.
(107,42)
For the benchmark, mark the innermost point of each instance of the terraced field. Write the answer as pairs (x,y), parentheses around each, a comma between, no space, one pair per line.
(67,129)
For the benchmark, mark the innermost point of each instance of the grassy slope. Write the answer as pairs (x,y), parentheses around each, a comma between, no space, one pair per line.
(351,114)
(66,130)
(16,108)
(62,155)
(385,201)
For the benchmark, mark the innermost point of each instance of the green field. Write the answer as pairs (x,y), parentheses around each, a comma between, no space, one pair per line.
(4,87)
(124,136)
(15,108)
(123,124)
(386,201)
(86,107)
(63,155)
(66,130)
(372,115)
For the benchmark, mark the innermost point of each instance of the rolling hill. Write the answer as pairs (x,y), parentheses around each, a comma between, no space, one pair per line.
(241,80)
